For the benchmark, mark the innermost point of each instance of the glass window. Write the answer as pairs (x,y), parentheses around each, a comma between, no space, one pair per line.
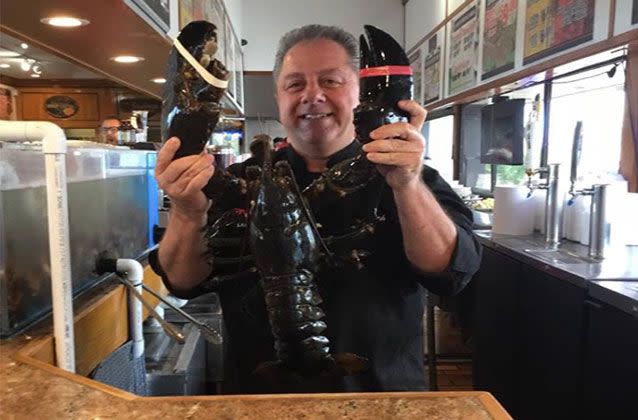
(597,100)
(438,145)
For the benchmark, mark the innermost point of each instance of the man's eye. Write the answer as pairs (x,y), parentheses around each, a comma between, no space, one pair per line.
(294,85)
(331,82)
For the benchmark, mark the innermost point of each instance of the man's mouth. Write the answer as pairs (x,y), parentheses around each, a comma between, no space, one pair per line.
(315,116)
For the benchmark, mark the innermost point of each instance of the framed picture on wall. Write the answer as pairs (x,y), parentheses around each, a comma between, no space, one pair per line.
(499,36)
(432,68)
(463,50)
(552,26)
(230,57)
(416,62)
(156,12)
(239,74)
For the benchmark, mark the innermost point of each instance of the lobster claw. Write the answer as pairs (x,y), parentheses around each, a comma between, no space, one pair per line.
(385,78)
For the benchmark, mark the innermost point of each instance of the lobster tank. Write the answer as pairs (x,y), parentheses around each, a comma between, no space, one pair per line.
(113,203)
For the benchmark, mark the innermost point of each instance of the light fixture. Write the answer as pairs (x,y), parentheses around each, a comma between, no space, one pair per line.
(26,63)
(4,65)
(158,80)
(24,46)
(126,59)
(64,21)
(6,53)
(37,69)
(35,75)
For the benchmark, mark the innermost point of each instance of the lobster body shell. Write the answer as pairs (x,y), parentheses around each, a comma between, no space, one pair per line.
(190,107)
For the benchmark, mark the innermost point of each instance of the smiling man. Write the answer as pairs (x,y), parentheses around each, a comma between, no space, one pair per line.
(424,239)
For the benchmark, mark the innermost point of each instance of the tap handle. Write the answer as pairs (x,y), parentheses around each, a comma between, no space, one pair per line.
(577,145)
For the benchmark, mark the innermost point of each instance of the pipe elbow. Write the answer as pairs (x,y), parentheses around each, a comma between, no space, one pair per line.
(133,269)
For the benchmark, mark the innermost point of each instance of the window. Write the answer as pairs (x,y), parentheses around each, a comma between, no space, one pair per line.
(438,145)
(597,100)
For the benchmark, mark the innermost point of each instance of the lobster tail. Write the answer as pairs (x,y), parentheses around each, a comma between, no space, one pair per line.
(385,79)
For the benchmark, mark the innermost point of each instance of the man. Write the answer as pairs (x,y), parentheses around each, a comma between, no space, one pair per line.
(108,130)
(425,240)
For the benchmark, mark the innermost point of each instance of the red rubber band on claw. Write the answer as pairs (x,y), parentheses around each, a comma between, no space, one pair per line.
(386,71)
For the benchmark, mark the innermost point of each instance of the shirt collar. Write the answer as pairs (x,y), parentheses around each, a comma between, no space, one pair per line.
(299,165)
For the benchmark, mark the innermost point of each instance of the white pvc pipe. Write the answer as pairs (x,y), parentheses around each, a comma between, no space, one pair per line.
(54,148)
(134,272)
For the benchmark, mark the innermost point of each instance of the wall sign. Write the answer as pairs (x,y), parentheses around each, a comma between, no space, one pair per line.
(416,64)
(432,69)
(156,12)
(499,36)
(60,106)
(464,50)
(556,25)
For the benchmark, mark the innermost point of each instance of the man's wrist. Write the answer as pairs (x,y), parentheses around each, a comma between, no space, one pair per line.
(188,219)
(412,187)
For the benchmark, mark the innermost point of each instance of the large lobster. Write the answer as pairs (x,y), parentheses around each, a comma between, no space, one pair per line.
(283,239)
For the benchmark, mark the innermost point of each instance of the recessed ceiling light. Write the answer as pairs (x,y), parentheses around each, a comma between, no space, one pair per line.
(7,53)
(64,21)
(35,75)
(158,80)
(24,46)
(127,59)
(4,65)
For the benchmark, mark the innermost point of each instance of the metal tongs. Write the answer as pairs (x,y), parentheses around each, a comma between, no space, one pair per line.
(209,333)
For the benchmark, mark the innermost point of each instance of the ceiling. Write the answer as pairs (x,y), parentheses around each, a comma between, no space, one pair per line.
(53,67)
(114,29)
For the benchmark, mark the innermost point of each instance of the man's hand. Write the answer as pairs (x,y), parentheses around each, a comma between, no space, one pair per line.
(398,148)
(183,179)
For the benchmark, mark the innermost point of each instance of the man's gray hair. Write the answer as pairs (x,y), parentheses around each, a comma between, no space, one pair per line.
(312,32)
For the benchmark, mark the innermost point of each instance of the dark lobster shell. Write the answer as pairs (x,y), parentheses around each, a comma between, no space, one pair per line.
(190,109)
(385,79)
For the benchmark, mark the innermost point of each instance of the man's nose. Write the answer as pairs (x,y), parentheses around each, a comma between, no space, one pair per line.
(313,93)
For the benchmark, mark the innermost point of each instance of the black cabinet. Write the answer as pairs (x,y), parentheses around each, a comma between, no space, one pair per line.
(549,349)
(494,327)
(610,363)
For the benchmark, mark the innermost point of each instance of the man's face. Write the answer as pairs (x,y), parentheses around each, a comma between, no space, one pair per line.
(316,93)
(108,131)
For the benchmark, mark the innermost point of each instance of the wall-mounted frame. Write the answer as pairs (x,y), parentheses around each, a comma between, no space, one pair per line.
(156,13)
(239,73)
(626,16)
(432,68)
(552,26)
(499,37)
(463,40)
(416,63)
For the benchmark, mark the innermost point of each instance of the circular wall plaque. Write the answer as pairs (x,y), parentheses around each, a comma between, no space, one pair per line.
(61,106)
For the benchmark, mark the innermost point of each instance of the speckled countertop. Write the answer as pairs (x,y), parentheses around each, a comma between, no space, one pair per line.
(44,392)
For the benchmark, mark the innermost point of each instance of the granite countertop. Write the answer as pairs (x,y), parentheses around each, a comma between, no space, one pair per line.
(43,391)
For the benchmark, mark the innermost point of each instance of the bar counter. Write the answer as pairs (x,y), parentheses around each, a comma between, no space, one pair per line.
(32,387)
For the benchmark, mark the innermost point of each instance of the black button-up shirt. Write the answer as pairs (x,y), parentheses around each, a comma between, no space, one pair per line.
(374,310)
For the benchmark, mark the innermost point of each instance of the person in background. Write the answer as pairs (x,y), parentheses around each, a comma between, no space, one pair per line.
(423,240)
(6,105)
(280,142)
(107,132)
(257,146)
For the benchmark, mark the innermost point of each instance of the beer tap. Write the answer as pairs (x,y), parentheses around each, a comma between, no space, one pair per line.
(553,209)
(599,238)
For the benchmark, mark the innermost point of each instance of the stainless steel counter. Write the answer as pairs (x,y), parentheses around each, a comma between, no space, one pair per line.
(613,280)
(569,260)
(620,294)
